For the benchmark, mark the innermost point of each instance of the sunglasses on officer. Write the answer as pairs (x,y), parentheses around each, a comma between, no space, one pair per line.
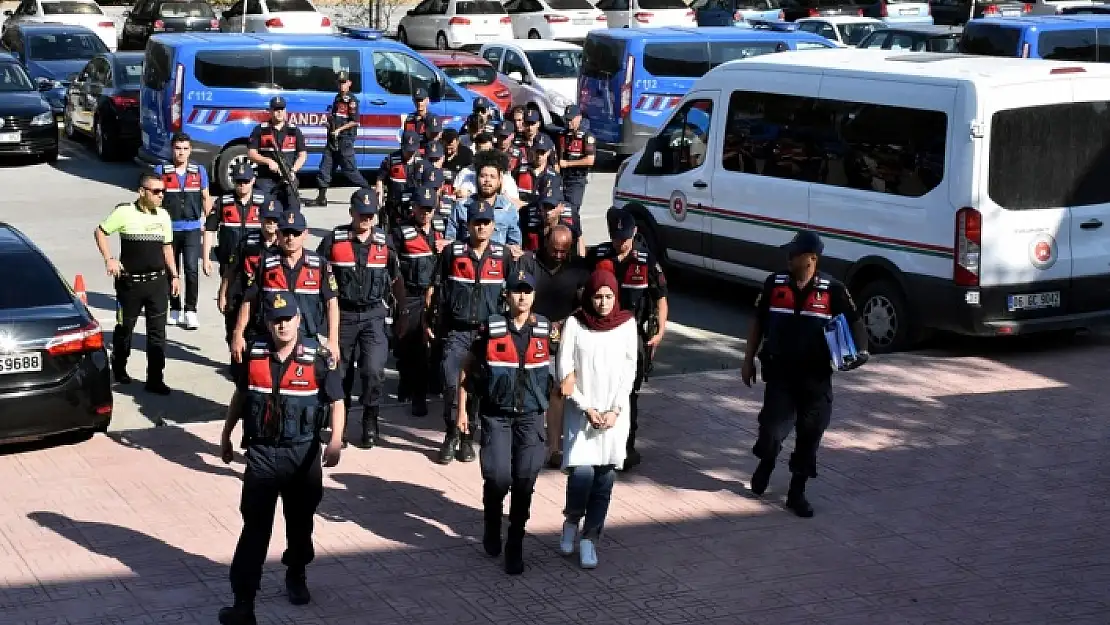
(154,190)
(285,232)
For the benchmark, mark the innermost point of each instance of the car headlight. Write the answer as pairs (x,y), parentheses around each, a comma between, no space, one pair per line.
(43,119)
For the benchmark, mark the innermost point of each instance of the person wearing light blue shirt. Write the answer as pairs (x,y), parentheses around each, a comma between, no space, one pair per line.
(506,216)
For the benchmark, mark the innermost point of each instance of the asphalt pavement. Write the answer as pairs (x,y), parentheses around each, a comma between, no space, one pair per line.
(59,206)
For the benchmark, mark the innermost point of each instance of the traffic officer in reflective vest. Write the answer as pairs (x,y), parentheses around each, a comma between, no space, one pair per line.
(245,260)
(788,334)
(283,396)
(343,123)
(466,290)
(236,215)
(508,370)
(643,290)
(188,203)
(577,149)
(366,271)
(418,242)
(400,173)
(417,121)
(300,273)
(273,140)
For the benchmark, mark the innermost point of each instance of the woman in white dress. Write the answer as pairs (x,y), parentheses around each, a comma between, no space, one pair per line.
(597,366)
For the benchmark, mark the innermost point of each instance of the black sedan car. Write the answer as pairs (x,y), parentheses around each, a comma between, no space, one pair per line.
(165,16)
(102,102)
(27,125)
(945,39)
(52,54)
(54,372)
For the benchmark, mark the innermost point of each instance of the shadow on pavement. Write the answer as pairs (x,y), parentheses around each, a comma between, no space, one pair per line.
(78,160)
(180,406)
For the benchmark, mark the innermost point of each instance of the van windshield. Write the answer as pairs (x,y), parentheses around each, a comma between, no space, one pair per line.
(1050,156)
(602,57)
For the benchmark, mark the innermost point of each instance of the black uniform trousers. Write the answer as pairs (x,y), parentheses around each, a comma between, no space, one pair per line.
(513,450)
(186,253)
(803,406)
(634,396)
(132,299)
(281,191)
(456,345)
(344,158)
(293,472)
(362,334)
(574,188)
(414,366)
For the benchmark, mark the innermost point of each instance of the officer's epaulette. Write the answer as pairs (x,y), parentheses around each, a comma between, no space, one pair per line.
(341,233)
(259,349)
(496,325)
(377,237)
(641,256)
(439,224)
(567,211)
(227,198)
(408,233)
(272,261)
(458,249)
(312,259)
(496,249)
(823,283)
(306,353)
(258,198)
(603,249)
(782,278)
(192,168)
(540,327)
(264,125)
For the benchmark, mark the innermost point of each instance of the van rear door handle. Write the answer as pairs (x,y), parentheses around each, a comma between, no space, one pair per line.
(378,102)
(1092,224)
(700,184)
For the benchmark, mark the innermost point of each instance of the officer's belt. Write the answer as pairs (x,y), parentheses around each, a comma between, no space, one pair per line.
(351,307)
(414,290)
(142,277)
(274,442)
(459,326)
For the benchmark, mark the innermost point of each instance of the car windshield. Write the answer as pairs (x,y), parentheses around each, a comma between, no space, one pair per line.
(13,78)
(64,46)
(290,6)
(479,7)
(948,44)
(185,9)
(71,8)
(555,63)
(38,284)
(467,75)
(853,34)
(131,75)
(570,5)
(658,5)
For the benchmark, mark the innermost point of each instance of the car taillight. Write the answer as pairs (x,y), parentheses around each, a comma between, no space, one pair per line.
(325,21)
(882,9)
(506,20)
(602,18)
(555,19)
(125,101)
(458,21)
(990,10)
(643,17)
(813,13)
(969,245)
(1028,8)
(214,24)
(177,101)
(275,22)
(106,24)
(690,15)
(86,339)
(626,88)
(859,12)
(159,26)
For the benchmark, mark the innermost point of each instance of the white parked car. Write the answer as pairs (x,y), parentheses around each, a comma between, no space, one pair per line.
(540,73)
(647,13)
(846,30)
(275,16)
(452,24)
(85,13)
(562,20)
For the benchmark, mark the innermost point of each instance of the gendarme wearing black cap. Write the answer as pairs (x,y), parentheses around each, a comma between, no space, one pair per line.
(273,140)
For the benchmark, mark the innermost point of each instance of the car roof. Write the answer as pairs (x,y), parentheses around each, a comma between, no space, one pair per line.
(537,44)
(450,58)
(252,40)
(841,19)
(713,33)
(923,29)
(51,27)
(936,68)
(1046,22)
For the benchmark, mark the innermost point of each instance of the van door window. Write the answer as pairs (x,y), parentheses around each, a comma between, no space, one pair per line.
(315,70)
(1067,45)
(724,51)
(234,69)
(682,144)
(1050,156)
(679,60)
(990,40)
(602,57)
(156,66)
(400,74)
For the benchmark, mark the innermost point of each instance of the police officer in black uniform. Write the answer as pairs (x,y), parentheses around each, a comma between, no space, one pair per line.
(274,139)
(248,258)
(340,149)
(508,371)
(480,121)
(532,172)
(417,121)
(643,291)
(400,173)
(433,131)
(366,271)
(577,150)
(788,334)
(467,288)
(283,396)
(418,241)
(538,218)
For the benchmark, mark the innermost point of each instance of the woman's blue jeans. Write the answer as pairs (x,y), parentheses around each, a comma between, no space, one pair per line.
(589,490)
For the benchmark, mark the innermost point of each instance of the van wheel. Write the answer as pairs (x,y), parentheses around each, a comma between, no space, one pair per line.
(402,36)
(441,42)
(890,326)
(533,34)
(227,162)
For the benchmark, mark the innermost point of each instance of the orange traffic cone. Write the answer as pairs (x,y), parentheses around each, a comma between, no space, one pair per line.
(79,288)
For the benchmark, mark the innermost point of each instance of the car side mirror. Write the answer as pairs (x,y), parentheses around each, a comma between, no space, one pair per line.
(45,84)
(517,76)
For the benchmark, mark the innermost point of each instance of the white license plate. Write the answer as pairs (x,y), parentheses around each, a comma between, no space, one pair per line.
(908,12)
(10,137)
(1033,301)
(1011,13)
(485,37)
(21,363)
(583,22)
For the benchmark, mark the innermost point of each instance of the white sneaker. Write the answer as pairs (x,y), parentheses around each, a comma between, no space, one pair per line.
(192,322)
(566,541)
(587,554)
(175,318)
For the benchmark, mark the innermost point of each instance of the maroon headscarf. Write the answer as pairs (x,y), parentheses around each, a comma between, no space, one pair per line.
(588,316)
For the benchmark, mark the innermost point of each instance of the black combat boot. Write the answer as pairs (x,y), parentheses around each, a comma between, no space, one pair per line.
(296,586)
(119,372)
(157,386)
(466,449)
(242,613)
(762,476)
(514,550)
(369,428)
(450,446)
(321,198)
(491,538)
(419,406)
(796,497)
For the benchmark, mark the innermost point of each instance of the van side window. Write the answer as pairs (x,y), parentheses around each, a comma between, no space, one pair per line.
(156,66)
(681,60)
(602,57)
(233,69)
(990,40)
(400,74)
(1067,45)
(886,149)
(681,145)
(315,69)
(1050,156)
(721,52)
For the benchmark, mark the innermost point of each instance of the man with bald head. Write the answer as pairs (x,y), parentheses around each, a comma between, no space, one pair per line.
(560,275)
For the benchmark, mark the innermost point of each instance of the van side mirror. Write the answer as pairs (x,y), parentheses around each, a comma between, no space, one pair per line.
(517,76)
